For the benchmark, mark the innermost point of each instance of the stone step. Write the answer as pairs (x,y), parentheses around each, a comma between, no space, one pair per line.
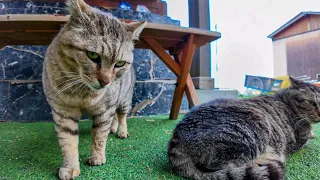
(211,94)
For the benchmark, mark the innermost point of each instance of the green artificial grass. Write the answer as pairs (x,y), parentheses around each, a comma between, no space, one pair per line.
(31,151)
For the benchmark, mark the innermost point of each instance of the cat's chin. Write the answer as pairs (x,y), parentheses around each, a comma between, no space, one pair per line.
(316,121)
(96,88)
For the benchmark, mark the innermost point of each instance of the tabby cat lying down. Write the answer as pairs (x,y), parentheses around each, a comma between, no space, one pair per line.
(88,69)
(247,138)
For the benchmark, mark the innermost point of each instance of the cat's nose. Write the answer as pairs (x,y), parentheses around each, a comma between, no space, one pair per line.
(103,83)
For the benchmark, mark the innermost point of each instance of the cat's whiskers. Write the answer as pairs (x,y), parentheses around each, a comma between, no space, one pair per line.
(69,76)
(65,89)
(82,83)
(68,80)
(66,72)
(299,116)
(86,77)
(302,121)
(68,86)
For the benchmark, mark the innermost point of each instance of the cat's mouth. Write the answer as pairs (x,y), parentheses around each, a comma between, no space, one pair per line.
(316,120)
(96,87)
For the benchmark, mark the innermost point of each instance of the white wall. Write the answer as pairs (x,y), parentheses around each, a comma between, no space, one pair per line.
(244,47)
(178,10)
(280,58)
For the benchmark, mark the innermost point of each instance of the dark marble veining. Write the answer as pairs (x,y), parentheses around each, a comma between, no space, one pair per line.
(153,92)
(155,97)
(149,66)
(21,62)
(23,102)
(37,7)
(32,7)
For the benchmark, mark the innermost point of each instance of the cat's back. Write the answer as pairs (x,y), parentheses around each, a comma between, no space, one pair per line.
(221,114)
(231,108)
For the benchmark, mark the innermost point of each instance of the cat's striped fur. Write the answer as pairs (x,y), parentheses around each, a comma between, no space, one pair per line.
(75,81)
(245,139)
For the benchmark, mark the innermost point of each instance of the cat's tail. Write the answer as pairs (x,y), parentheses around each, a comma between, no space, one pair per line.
(182,164)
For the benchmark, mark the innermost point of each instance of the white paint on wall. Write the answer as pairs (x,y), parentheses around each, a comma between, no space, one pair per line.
(280,58)
(244,47)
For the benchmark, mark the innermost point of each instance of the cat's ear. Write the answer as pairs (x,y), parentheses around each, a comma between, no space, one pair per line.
(136,28)
(296,84)
(78,7)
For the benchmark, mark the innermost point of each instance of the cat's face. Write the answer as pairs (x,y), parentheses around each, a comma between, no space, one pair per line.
(97,46)
(306,99)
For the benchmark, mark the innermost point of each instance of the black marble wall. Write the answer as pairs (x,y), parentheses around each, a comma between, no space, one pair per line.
(25,101)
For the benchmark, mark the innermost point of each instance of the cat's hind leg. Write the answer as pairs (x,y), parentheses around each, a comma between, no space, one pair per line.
(114,125)
(123,129)
(120,121)
(122,112)
(273,163)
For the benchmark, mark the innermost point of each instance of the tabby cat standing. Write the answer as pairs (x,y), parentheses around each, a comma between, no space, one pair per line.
(88,69)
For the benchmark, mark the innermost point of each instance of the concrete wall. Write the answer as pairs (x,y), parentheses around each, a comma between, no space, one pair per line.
(280,58)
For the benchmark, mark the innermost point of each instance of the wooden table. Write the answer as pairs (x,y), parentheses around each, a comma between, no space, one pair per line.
(21,29)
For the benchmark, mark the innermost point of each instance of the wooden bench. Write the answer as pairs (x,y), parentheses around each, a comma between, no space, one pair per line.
(178,41)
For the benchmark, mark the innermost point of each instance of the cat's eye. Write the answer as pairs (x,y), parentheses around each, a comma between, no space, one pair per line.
(313,103)
(94,56)
(120,64)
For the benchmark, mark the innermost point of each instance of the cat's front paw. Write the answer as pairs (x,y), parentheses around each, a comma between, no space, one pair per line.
(123,134)
(67,173)
(96,160)
(113,130)
(312,135)
(123,131)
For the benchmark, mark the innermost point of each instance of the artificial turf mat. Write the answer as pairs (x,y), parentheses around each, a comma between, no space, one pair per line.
(31,151)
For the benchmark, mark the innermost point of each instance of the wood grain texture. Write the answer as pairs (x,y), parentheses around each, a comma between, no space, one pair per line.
(163,55)
(185,65)
(303,55)
(303,25)
(190,90)
(41,29)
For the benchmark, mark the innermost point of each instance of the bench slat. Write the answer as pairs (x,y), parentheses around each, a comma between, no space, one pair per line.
(29,29)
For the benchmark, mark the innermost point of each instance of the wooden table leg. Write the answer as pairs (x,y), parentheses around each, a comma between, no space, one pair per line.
(185,65)
(191,93)
(181,70)
(164,56)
